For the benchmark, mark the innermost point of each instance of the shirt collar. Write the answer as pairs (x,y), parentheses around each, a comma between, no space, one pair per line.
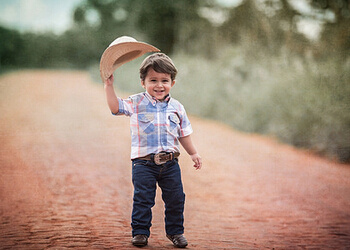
(154,100)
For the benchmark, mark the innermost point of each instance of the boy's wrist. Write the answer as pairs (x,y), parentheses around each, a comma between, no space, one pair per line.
(106,85)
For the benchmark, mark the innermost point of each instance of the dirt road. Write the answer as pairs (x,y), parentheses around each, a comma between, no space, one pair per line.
(65,179)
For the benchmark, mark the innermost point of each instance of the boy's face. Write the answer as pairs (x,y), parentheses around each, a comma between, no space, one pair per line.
(157,84)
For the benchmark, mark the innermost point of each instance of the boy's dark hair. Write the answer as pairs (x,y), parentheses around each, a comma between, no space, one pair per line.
(160,63)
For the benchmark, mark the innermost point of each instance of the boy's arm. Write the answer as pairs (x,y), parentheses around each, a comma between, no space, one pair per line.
(187,144)
(112,99)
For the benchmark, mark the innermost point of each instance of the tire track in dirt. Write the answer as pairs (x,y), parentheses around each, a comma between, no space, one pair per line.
(66,178)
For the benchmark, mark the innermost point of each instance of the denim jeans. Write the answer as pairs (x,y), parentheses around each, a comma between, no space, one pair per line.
(145,175)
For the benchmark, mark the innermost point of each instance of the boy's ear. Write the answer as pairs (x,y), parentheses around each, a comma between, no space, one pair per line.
(172,84)
(143,84)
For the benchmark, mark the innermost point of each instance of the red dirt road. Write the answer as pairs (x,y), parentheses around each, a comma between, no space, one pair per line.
(65,179)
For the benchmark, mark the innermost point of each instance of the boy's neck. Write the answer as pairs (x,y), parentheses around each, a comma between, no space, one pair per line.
(166,98)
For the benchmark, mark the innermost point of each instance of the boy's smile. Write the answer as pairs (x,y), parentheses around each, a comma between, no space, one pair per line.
(157,84)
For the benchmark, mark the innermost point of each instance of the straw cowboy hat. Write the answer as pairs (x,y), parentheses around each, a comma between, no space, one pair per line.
(120,51)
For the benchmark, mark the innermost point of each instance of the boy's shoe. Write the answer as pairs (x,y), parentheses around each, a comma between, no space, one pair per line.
(140,240)
(178,240)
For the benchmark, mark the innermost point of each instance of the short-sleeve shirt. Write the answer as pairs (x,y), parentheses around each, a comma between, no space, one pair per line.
(155,126)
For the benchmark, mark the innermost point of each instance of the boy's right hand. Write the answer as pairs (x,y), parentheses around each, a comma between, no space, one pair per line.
(109,81)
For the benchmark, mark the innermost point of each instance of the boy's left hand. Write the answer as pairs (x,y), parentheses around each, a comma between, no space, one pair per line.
(197,161)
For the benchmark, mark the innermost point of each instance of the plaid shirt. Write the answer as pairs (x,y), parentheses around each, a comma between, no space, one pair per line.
(155,126)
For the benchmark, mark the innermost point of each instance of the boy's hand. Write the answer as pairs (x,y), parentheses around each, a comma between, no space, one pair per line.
(197,161)
(109,81)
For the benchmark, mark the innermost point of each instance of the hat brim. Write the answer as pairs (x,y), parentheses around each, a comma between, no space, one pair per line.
(116,55)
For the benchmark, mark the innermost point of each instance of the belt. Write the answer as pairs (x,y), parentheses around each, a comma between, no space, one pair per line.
(160,158)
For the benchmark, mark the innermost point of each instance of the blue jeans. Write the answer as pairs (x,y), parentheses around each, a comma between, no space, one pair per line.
(145,175)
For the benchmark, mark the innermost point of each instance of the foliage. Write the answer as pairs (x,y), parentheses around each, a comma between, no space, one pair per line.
(336,34)
(158,20)
(11,44)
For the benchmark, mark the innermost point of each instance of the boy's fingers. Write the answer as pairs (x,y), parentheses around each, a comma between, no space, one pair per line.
(198,163)
(110,79)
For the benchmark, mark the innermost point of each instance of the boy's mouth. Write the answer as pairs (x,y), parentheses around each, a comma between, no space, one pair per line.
(158,91)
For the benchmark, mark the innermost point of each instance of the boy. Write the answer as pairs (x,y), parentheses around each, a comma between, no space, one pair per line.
(158,123)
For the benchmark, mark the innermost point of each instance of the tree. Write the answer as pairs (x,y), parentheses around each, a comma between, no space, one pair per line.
(248,25)
(164,22)
(11,47)
(159,22)
(335,37)
(268,25)
(157,19)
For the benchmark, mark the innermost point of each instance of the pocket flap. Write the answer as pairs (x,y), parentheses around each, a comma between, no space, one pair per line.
(145,117)
(174,118)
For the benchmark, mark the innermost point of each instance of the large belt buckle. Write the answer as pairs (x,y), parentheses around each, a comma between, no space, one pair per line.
(161,158)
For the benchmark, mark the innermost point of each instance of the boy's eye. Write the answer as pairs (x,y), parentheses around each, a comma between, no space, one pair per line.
(163,81)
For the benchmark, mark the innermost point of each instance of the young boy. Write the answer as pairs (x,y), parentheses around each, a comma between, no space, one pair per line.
(158,123)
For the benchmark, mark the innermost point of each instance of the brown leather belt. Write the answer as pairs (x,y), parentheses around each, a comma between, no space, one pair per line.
(161,158)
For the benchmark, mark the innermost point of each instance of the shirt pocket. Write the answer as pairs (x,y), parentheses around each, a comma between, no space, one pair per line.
(174,123)
(146,123)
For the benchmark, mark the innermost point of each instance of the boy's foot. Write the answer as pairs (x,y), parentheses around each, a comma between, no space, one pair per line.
(178,240)
(140,240)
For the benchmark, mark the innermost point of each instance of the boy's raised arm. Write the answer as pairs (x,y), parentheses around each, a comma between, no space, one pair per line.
(112,99)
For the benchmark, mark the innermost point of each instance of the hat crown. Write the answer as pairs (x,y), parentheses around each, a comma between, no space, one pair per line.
(120,51)
(123,39)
